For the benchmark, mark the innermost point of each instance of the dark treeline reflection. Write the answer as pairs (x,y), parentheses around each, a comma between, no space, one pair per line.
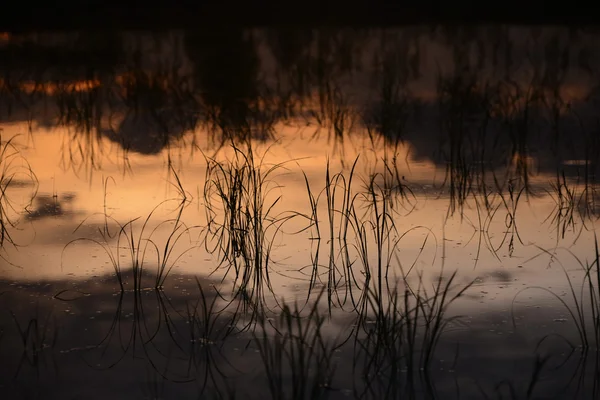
(517,99)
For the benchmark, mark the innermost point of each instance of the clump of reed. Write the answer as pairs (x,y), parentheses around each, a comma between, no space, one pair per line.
(242,220)
(295,353)
(14,170)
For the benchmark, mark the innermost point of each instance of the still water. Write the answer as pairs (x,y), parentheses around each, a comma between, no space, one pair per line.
(404,213)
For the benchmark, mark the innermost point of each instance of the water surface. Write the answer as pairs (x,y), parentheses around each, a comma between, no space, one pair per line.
(300,213)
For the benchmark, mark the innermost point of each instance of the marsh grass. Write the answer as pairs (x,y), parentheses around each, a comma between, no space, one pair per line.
(14,170)
(353,212)
(397,325)
(194,331)
(465,116)
(399,322)
(338,186)
(335,114)
(565,210)
(511,204)
(360,227)
(397,191)
(584,303)
(396,345)
(38,337)
(139,245)
(210,325)
(297,357)
(243,222)
(181,339)
(574,204)
(129,248)
(376,238)
(81,111)
(398,331)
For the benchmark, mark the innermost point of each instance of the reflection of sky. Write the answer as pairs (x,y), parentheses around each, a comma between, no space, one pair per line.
(141,182)
(136,193)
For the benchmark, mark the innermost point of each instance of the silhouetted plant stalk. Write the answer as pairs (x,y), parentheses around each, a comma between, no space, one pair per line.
(13,167)
(584,303)
(242,222)
(138,244)
(400,334)
(297,357)
(38,336)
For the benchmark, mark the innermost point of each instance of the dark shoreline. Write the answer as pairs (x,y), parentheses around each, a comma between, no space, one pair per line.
(71,14)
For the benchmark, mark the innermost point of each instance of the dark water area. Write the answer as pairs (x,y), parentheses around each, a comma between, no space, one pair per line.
(297,213)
